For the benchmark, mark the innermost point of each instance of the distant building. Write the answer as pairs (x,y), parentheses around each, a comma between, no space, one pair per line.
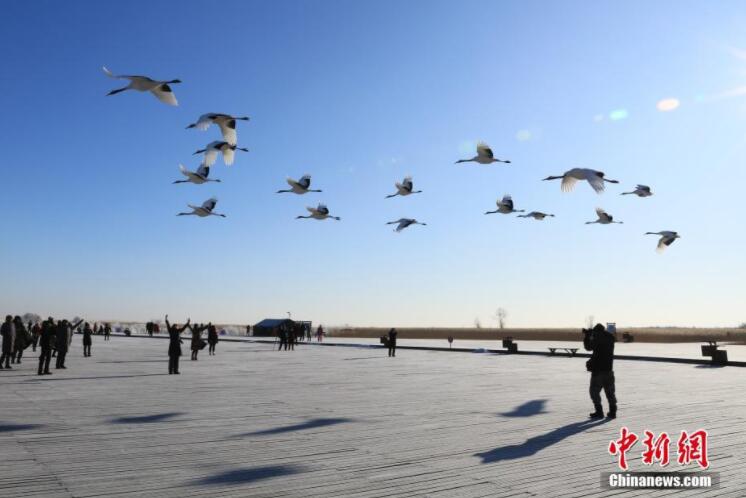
(269,326)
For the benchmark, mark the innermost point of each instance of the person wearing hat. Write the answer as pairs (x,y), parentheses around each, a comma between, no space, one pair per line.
(601,343)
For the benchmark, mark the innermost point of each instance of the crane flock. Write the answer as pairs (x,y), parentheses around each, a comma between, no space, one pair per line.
(484,156)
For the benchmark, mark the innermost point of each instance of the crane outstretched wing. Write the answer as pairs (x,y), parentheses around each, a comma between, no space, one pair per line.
(484,150)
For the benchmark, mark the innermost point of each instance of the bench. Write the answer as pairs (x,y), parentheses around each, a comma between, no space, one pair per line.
(511,346)
(570,351)
(719,356)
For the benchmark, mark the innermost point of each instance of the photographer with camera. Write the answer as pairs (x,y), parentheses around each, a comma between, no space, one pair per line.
(601,342)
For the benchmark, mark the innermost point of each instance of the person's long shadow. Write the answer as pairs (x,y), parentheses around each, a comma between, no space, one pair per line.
(527,409)
(145,419)
(245,476)
(311,424)
(100,377)
(129,361)
(17,427)
(537,443)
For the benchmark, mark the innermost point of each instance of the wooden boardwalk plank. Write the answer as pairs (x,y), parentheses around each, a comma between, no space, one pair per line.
(343,422)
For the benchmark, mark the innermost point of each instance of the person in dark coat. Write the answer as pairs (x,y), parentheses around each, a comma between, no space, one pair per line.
(197,338)
(392,342)
(601,366)
(283,336)
(290,344)
(63,337)
(87,339)
(174,345)
(149,328)
(22,341)
(35,333)
(212,337)
(60,343)
(8,332)
(107,332)
(46,339)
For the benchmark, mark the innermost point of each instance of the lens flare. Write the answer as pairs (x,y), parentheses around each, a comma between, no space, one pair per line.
(618,114)
(523,135)
(667,105)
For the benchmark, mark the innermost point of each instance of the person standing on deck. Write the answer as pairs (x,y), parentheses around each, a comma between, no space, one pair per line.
(8,332)
(212,338)
(392,342)
(63,337)
(319,333)
(291,337)
(60,343)
(149,328)
(46,340)
(174,345)
(248,330)
(601,342)
(87,339)
(283,336)
(35,333)
(107,331)
(23,339)
(197,338)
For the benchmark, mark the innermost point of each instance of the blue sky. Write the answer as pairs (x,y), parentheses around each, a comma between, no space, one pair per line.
(360,94)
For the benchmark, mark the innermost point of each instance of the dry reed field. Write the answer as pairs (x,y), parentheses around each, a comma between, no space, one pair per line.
(641,334)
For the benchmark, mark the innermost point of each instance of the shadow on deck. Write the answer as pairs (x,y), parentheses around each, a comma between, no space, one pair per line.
(537,443)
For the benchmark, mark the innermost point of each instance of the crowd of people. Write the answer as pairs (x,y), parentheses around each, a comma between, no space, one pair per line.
(197,342)
(55,336)
(52,336)
(291,333)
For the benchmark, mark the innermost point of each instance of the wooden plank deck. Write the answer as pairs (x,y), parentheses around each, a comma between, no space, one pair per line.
(344,422)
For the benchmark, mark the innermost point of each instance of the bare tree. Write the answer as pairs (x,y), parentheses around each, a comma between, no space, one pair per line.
(501,315)
(477,323)
(31,317)
(590,321)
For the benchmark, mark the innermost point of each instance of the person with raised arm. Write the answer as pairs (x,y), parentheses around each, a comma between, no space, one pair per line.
(63,338)
(197,338)
(174,345)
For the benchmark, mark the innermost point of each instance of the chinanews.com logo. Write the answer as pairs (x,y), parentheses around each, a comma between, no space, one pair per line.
(691,450)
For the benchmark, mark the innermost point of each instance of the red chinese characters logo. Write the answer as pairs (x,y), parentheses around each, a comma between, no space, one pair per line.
(621,446)
(691,448)
(656,449)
